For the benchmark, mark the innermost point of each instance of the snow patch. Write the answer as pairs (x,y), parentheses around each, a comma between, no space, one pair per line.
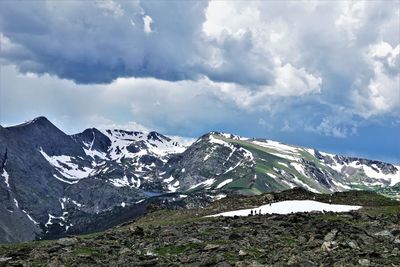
(224,183)
(284,156)
(214,140)
(299,168)
(219,196)
(185,142)
(72,171)
(208,155)
(6,178)
(173,187)
(304,185)
(232,168)
(64,180)
(277,146)
(283,164)
(51,217)
(206,183)
(168,180)
(247,154)
(393,178)
(30,217)
(123,182)
(16,203)
(310,151)
(93,153)
(289,206)
(76,203)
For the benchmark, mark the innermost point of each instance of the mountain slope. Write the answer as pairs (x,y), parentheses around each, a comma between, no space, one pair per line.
(53,184)
(252,166)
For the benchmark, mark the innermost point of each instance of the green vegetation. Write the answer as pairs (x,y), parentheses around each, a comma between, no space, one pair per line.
(266,159)
(85,251)
(288,241)
(265,163)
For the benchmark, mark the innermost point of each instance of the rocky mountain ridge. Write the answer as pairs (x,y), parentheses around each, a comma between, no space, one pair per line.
(53,184)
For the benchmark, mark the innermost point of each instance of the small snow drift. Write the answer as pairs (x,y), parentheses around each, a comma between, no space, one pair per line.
(289,206)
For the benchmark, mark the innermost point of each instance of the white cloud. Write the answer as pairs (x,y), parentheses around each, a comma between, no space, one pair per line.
(351,17)
(110,6)
(147,21)
(381,93)
(230,17)
(329,127)
(289,82)
(235,22)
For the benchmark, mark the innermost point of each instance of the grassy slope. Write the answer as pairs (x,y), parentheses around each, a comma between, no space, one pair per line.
(266,161)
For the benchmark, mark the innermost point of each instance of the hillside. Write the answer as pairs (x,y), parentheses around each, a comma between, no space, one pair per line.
(186,237)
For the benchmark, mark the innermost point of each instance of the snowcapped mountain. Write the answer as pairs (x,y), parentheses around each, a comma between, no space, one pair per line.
(52,183)
(252,166)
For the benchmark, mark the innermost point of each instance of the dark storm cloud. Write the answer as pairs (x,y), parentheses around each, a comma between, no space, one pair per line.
(90,42)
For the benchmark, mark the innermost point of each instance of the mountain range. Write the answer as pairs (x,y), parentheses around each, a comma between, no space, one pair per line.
(53,184)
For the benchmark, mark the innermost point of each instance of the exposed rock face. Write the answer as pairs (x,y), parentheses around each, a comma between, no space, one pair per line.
(208,158)
(26,188)
(42,134)
(97,140)
(40,193)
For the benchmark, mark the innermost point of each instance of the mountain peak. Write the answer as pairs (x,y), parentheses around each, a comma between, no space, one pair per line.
(43,134)
(39,121)
(157,136)
(221,134)
(42,121)
(94,137)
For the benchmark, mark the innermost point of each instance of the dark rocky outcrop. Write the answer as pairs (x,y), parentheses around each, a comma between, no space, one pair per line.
(94,138)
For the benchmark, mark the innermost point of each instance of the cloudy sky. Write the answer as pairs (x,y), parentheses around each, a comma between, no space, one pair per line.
(320,74)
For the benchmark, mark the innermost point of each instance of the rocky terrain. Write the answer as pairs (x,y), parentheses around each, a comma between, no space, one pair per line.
(53,184)
(185,237)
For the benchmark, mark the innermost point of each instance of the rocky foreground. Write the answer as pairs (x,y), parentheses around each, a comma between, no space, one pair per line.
(369,237)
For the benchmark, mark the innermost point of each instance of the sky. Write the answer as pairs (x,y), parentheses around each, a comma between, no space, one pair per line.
(323,74)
